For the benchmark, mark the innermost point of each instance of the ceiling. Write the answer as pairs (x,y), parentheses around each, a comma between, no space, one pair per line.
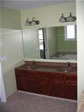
(25,4)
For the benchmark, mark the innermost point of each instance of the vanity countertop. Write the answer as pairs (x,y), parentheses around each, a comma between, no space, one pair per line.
(81,104)
(51,60)
(48,69)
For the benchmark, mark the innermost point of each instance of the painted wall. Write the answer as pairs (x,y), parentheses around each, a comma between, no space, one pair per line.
(0,20)
(80,43)
(64,45)
(31,44)
(11,19)
(2,89)
(52,41)
(11,50)
(48,16)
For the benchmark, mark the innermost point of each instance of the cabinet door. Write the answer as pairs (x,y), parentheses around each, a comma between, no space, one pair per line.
(21,82)
(44,86)
(20,79)
(57,88)
(44,83)
(56,84)
(71,90)
(32,85)
(32,81)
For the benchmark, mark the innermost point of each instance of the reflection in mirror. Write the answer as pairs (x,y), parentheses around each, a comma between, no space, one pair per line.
(41,43)
(58,43)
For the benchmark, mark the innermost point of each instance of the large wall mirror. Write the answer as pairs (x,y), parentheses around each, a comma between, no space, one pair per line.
(57,43)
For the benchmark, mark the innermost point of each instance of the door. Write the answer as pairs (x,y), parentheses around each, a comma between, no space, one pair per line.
(41,43)
(46,43)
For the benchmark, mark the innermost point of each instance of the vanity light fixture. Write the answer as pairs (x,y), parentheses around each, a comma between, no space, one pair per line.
(62,18)
(32,22)
(71,18)
(67,19)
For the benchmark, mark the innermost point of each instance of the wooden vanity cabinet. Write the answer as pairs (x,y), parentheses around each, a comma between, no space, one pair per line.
(48,83)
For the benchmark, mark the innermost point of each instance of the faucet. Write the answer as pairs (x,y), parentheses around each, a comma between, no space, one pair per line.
(68,65)
(33,63)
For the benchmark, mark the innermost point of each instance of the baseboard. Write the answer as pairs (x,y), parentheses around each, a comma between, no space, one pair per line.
(40,95)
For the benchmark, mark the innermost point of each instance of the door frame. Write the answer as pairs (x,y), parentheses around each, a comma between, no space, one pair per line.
(46,43)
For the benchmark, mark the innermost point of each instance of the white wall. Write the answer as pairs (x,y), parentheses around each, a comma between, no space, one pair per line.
(80,45)
(11,55)
(12,48)
(49,15)
(2,89)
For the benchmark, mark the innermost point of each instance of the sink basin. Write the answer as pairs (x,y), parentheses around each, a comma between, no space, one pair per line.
(50,69)
(46,69)
(63,70)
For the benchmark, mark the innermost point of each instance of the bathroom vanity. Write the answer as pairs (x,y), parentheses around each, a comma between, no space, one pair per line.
(55,79)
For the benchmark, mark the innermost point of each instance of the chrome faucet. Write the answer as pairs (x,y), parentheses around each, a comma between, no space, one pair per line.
(33,63)
(68,65)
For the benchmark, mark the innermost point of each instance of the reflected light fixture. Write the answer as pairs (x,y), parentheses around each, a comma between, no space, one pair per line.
(32,22)
(67,19)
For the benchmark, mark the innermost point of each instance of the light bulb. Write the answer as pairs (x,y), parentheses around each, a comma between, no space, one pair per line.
(62,18)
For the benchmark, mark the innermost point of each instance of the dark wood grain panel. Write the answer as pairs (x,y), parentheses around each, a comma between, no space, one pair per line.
(48,83)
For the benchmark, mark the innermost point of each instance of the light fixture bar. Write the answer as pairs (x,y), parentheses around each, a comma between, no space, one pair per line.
(32,22)
(70,18)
